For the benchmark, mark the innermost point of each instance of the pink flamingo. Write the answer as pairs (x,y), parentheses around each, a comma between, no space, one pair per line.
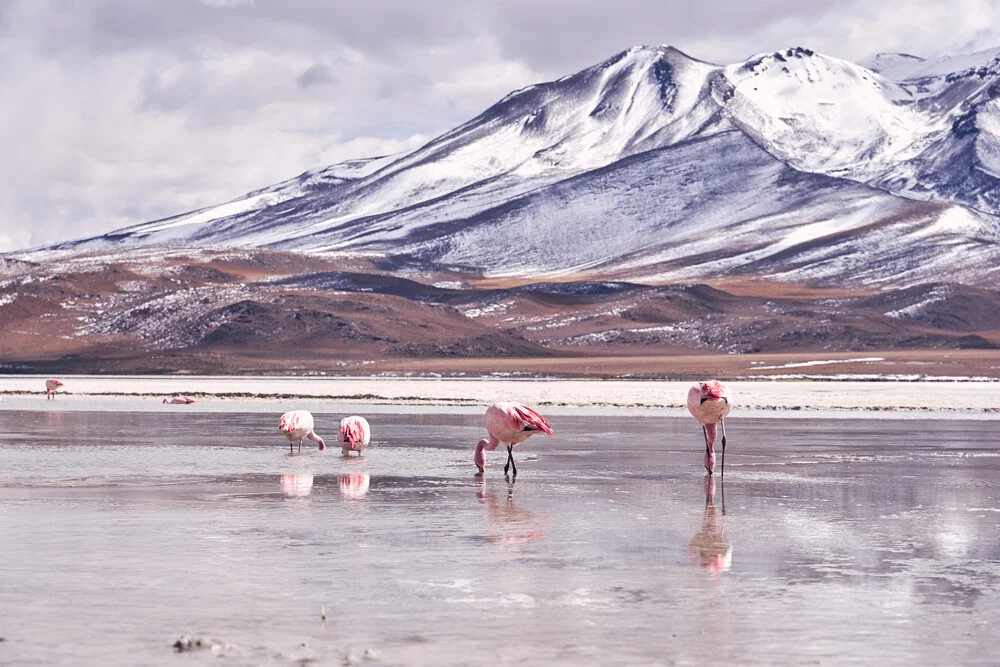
(298,425)
(353,435)
(52,385)
(511,424)
(179,400)
(708,402)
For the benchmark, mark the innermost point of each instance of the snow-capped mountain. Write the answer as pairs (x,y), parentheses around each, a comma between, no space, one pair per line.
(653,164)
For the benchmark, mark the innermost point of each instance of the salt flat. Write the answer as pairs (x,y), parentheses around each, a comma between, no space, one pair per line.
(969,398)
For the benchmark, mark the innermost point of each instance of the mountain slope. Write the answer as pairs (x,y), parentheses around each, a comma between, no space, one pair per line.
(653,164)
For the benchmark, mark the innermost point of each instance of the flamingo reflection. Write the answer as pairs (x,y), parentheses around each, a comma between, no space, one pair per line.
(354,485)
(710,548)
(297,485)
(508,522)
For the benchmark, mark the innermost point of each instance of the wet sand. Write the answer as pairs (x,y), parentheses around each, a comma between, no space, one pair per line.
(833,541)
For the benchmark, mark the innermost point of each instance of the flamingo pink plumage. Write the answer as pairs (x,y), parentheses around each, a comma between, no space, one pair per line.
(298,425)
(353,434)
(708,402)
(52,385)
(511,424)
(179,400)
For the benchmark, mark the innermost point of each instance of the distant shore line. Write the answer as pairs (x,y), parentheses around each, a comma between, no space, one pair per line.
(803,396)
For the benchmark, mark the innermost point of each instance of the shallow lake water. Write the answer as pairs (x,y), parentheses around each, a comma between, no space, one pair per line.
(832,541)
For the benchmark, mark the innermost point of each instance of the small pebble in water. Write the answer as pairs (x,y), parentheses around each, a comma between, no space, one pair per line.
(188,643)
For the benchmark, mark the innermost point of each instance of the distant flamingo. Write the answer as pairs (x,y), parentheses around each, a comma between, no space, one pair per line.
(52,385)
(353,435)
(511,424)
(179,400)
(708,402)
(298,425)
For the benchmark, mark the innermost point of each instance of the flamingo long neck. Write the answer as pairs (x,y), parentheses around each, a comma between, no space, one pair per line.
(480,458)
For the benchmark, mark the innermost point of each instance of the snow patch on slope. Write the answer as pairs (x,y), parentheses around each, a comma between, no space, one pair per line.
(823,115)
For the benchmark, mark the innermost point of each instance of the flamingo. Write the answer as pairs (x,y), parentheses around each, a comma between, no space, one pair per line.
(52,385)
(353,435)
(708,402)
(298,425)
(512,424)
(179,400)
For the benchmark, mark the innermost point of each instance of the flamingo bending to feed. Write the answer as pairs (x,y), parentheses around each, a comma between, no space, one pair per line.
(179,400)
(52,385)
(353,435)
(298,425)
(511,424)
(708,402)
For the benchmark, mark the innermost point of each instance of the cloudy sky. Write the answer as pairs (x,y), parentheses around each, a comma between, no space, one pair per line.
(116,112)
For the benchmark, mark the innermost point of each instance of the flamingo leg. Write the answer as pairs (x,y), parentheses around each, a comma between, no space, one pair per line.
(708,450)
(291,447)
(300,445)
(510,460)
(722,472)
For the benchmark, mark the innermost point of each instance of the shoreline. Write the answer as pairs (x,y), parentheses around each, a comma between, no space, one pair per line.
(808,397)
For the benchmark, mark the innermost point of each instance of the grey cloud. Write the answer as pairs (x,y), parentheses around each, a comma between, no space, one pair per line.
(316,75)
(6,10)
(566,36)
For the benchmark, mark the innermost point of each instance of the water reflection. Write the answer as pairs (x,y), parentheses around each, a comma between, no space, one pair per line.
(710,548)
(507,522)
(354,485)
(296,485)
